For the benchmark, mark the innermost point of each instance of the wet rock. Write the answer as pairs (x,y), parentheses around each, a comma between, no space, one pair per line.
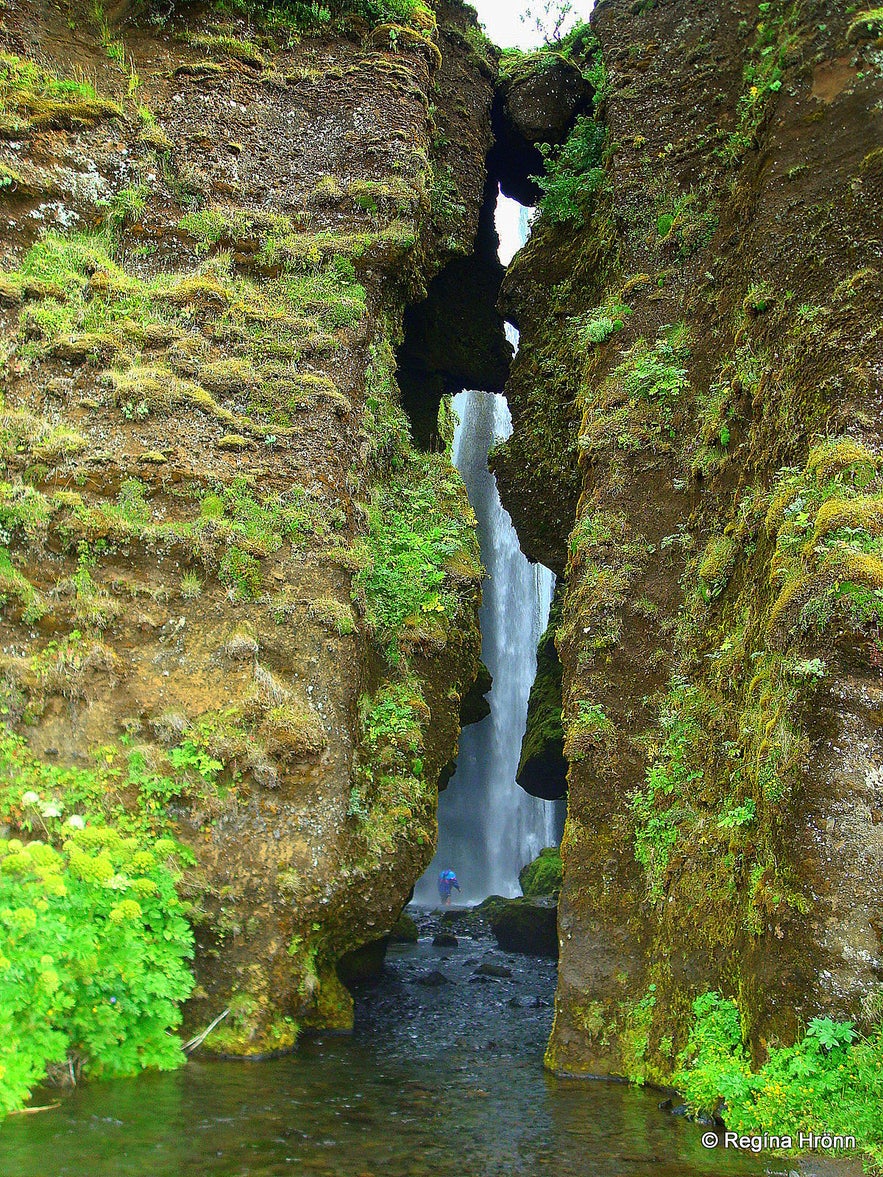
(432,979)
(363,964)
(475,706)
(526,925)
(458,917)
(542,768)
(542,104)
(404,931)
(445,940)
(489,969)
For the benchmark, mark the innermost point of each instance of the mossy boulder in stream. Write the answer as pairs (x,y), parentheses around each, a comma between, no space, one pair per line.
(543,875)
(523,925)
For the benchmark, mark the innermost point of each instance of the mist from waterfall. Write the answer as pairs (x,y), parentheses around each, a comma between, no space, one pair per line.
(489,827)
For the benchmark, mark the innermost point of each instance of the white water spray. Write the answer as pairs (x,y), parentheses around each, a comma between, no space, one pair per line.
(489,828)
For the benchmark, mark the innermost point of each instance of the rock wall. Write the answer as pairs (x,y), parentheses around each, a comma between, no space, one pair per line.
(237,604)
(698,446)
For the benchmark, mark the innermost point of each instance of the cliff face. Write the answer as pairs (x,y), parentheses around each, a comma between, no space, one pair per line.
(236,600)
(701,358)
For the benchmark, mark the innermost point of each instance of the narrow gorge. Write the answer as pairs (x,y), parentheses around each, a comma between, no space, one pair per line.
(264,670)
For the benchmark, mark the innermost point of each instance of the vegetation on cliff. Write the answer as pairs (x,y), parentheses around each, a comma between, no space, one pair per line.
(233,592)
(96,943)
(827,1084)
(719,639)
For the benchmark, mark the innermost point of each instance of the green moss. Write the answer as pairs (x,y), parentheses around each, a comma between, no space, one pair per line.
(686,222)
(589,732)
(543,876)
(251,1029)
(13,583)
(219,43)
(31,98)
(333,614)
(391,800)
(421,538)
(866,24)
(844,457)
(717,564)
(636,1019)
(828,560)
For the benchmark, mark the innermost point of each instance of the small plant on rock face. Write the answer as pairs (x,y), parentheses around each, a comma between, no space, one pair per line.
(598,326)
(573,172)
(191,586)
(740,815)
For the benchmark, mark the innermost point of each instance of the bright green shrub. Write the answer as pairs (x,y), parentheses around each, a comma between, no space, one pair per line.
(831,1081)
(573,171)
(93,950)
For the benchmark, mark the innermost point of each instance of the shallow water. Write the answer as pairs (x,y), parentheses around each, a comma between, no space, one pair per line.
(443,1081)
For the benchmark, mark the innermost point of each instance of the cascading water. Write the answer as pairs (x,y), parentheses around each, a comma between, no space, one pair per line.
(489,827)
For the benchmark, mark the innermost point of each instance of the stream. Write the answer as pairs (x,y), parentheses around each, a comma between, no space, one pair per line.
(438,1080)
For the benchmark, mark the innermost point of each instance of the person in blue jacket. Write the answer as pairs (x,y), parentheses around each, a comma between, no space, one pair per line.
(447,881)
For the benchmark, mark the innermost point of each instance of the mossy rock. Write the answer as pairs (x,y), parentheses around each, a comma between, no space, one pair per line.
(474,706)
(363,964)
(526,925)
(542,770)
(543,876)
(404,930)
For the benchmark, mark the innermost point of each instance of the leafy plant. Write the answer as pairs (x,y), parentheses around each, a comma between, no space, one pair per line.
(599,325)
(739,815)
(93,951)
(573,172)
(830,1082)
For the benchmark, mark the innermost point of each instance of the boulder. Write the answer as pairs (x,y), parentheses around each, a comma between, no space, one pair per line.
(475,707)
(543,875)
(363,964)
(527,925)
(542,769)
(542,103)
(433,979)
(489,969)
(404,930)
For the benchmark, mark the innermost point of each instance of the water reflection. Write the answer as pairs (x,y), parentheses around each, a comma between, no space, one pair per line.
(442,1081)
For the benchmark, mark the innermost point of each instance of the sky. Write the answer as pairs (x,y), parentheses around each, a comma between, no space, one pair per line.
(502,23)
(501,20)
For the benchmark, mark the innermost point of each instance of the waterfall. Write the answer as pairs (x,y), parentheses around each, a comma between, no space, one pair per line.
(489,827)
